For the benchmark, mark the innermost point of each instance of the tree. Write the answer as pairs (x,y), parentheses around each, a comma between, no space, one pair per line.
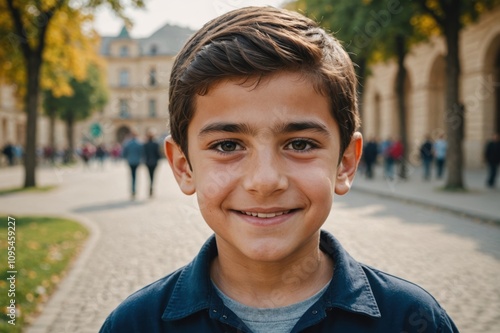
(88,95)
(451,17)
(398,32)
(27,26)
(345,19)
(372,30)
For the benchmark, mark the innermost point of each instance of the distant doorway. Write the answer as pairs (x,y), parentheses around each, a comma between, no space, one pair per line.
(378,116)
(496,83)
(122,133)
(436,116)
(396,121)
(491,95)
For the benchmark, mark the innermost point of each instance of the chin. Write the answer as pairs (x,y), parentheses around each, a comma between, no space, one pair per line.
(266,251)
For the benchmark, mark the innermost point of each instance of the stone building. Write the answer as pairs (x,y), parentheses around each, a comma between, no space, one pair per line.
(425,90)
(137,73)
(12,119)
(13,123)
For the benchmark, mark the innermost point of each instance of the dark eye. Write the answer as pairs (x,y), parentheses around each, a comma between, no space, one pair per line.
(299,145)
(226,146)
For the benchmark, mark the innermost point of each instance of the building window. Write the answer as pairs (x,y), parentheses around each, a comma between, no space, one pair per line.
(123,78)
(152,77)
(124,111)
(153,50)
(124,51)
(152,108)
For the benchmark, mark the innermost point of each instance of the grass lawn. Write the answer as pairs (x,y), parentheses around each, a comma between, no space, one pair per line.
(44,247)
(5,191)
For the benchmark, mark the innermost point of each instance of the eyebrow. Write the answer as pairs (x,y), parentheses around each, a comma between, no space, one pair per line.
(281,128)
(225,127)
(302,126)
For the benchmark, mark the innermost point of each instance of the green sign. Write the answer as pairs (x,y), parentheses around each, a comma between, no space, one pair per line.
(95,130)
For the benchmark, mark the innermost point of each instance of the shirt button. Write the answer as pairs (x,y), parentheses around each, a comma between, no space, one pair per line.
(314,312)
(224,317)
(215,311)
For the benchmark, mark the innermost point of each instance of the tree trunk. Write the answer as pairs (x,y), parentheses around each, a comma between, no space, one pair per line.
(401,102)
(454,109)
(33,62)
(70,124)
(52,130)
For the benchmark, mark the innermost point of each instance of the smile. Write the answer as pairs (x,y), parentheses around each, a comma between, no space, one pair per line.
(265,215)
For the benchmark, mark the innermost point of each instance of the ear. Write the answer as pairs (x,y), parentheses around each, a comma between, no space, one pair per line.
(349,164)
(180,166)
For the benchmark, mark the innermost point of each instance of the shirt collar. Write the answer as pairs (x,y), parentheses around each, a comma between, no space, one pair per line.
(349,289)
(193,289)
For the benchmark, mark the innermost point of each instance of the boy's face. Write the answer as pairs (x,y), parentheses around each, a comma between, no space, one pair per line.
(264,166)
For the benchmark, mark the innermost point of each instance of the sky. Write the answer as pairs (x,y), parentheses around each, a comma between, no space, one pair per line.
(187,13)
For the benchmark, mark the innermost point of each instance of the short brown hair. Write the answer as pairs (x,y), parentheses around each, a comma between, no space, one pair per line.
(255,42)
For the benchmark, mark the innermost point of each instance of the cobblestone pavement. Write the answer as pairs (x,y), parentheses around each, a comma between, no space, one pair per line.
(135,243)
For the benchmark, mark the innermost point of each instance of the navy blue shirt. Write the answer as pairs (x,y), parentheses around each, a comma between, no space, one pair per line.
(358,299)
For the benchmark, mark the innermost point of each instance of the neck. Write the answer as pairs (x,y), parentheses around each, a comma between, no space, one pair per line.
(271,285)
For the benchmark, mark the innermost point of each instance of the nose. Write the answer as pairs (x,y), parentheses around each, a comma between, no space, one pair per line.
(265,174)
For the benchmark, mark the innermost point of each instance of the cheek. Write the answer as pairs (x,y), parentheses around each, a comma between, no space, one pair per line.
(319,183)
(214,185)
(322,176)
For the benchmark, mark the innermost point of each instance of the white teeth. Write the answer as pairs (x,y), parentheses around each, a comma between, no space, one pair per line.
(266,215)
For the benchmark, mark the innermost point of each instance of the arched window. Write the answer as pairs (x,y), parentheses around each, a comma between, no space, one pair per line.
(124,51)
(124,112)
(153,50)
(152,77)
(152,108)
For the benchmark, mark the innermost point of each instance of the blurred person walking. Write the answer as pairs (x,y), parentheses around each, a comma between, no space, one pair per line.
(426,155)
(86,154)
(151,151)
(8,151)
(132,152)
(492,157)
(440,148)
(116,152)
(100,154)
(396,152)
(385,148)
(370,154)
(18,153)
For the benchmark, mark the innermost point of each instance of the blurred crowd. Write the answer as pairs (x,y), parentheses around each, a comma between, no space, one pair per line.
(88,153)
(430,155)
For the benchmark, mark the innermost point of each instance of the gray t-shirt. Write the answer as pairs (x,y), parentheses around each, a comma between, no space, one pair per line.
(276,320)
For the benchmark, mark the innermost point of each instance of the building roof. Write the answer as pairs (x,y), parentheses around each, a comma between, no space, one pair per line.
(124,33)
(168,40)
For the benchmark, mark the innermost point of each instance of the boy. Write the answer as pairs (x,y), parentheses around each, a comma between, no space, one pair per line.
(263,119)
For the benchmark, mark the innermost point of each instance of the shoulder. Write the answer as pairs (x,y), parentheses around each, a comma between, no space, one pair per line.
(143,308)
(394,286)
(406,302)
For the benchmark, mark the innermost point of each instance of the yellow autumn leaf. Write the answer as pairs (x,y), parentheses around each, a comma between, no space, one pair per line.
(30,298)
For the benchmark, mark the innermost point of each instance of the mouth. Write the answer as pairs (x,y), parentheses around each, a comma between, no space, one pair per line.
(268,215)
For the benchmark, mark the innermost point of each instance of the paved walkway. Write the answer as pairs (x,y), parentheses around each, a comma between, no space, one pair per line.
(135,243)
(478,202)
